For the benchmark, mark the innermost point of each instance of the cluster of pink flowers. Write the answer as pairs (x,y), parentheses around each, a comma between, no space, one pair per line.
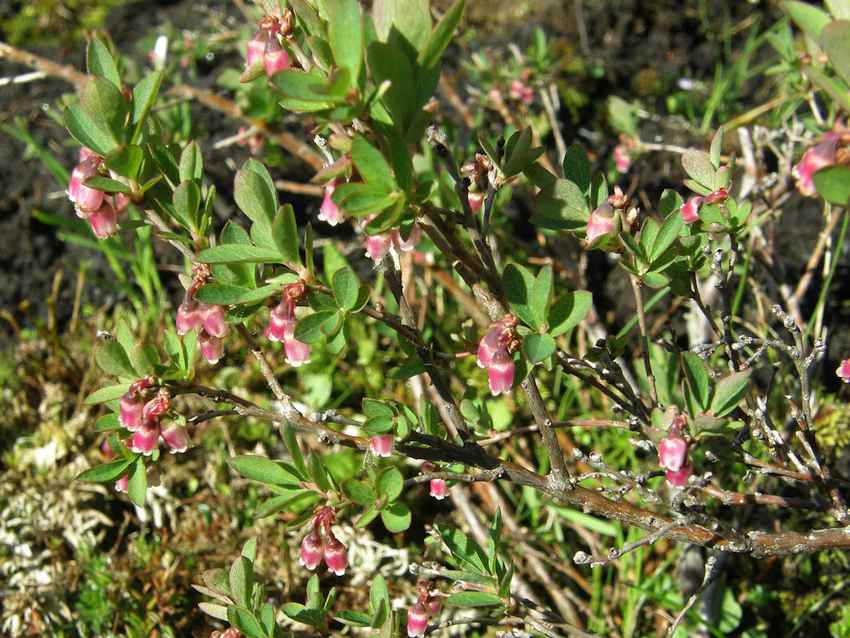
(437,486)
(815,158)
(843,371)
(494,355)
(209,319)
(231,632)
(142,415)
(425,608)
(282,324)
(377,246)
(673,454)
(265,48)
(321,543)
(382,445)
(99,209)
(521,91)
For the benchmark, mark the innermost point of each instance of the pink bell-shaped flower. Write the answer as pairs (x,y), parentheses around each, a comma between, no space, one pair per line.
(815,158)
(417,620)
(500,373)
(122,484)
(85,198)
(377,247)
(381,445)
(600,223)
(843,371)
(104,221)
(336,557)
(690,209)
(214,319)
(212,348)
(275,57)
(176,438)
(188,317)
(439,490)
(144,440)
(130,409)
(279,320)
(329,212)
(672,452)
(311,551)
(490,343)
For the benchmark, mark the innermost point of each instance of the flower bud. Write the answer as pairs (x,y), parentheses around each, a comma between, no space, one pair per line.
(600,223)
(212,348)
(130,410)
(329,212)
(104,221)
(176,438)
(500,373)
(144,440)
(417,620)
(335,556)
(275,58)
(188,317)
(377,247)
(213,318)
(311,551)
(122,484)
(715,197)
(843,371)
(381,445)
(439,489)
(690,209)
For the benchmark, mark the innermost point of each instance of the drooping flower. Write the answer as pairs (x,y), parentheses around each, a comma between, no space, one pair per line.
(417,620)
(600,223)
(212,348)
(275,57)
(188,317)
(679,478)
(282,323)
(130,409)
(381,445)
(85,198)
(377,247)
(311,551)
(491,342)
(438,489)
(144,440)
(176,438)
(336,556)
(104,220)
(122,484)
(500,373)
(690,209)
(815,158)
(673,454)
(214,319)
(329,212)
(843,371)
